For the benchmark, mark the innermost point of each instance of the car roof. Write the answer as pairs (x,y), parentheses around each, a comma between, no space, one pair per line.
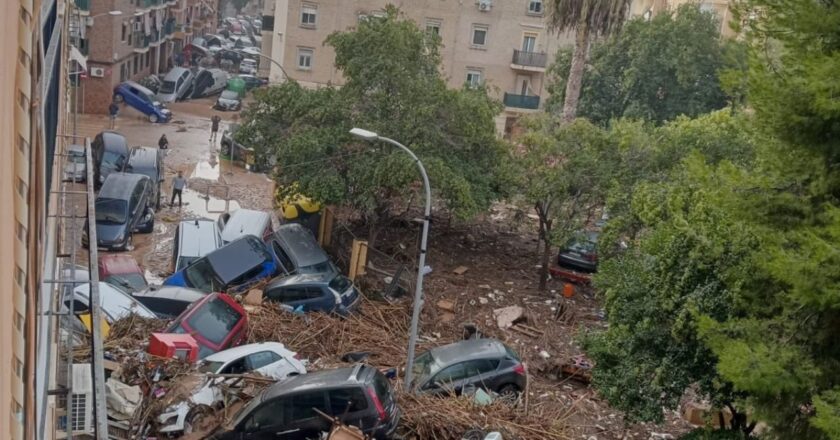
(469,349)
(301,244)
(143,156)
(318,379)
(174,74)
(203,234)
(138,87)
(308,278)
(74,148)
(114,301)
(228,261)
(119,185)
(244,350)
(245,222)
(113,138)
(177,293)
(118,264)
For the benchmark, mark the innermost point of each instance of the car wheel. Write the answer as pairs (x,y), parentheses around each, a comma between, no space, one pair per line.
(509,393)
(151,227)
(153,118)
(118,98)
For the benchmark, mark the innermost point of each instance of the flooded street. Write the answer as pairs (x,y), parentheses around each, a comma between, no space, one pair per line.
(214,186)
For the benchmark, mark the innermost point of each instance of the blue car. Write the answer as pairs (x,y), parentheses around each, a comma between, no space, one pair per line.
(143,100)
(328,292)
(232,269)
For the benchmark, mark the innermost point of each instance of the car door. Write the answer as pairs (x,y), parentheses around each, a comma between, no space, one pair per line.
(267,422)
(133,203)
(301,416)
(269,364)
(450,379)
(481,373)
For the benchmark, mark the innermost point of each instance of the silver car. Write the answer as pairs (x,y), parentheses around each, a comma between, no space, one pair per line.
(175,85)
(75,170)
(229,100)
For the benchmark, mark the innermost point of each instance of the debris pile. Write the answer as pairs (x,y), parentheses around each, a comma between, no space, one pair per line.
(430,417)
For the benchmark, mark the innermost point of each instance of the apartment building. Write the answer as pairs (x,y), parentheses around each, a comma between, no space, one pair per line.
(649,8)
(31,96)
(132,39)
(505,44)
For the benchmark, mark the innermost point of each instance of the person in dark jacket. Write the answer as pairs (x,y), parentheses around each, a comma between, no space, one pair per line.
(113,109)
(163,143)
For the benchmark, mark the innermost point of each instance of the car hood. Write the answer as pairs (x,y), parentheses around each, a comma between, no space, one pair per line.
(166,97)
(74,168)
(228,101)
(108,233)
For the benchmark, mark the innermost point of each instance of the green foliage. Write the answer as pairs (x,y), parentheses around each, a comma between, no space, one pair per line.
(713,434)
(654,70)
(604,17)
(393,87)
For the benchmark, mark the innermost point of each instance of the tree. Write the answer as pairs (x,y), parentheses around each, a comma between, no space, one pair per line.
(562,171)
(588,18)
(394,87)
(653,70)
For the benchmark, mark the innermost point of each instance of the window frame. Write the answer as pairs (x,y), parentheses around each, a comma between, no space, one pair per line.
(434,23)
(311,10)
(300,52)
(479,28)
(532,11)
(473,71)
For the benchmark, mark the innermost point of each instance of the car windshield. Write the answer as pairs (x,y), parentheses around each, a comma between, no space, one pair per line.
(130,281)
(185,261)
(210,367)
(110,158)
(340,283)
(214,321)
(150,172)
(425,366)
(111,211)
(201,276)
(167,87)
(230,94)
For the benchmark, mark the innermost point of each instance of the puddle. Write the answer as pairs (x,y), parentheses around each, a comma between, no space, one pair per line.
(208,170)
(198,205)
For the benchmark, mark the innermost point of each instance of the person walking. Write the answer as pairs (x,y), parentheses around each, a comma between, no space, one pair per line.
(113,109)
(214,128)
(178,185)
(163,142)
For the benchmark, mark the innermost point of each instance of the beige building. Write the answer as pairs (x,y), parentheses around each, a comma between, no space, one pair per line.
(502,43)
(32,83)
(136,43)
(649,8)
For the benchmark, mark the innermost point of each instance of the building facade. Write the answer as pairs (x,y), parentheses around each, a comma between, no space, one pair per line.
(649,8)
(31,95)
(504,44)
(132,39)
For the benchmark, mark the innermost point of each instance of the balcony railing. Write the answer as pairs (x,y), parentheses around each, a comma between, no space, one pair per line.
(529,59)
(169,26)
(522,101)
(155,36)
(141,41)
(83,5)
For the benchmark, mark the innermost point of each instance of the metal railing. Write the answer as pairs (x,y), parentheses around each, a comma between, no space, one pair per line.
(530,59)
(141,40)
(522,101)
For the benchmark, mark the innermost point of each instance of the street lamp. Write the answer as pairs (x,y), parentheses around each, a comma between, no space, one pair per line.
(286,75)
(370,136)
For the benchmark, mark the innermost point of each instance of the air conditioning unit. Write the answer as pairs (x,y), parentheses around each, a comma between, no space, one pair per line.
(97,72)
(484,5)
(80,401)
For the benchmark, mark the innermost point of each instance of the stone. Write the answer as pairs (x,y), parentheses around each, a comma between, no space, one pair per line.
(483,300)
(253,298)
(459,270)
(445,304)
(484,286)
(506,316)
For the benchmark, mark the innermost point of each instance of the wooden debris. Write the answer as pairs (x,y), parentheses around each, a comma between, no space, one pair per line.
(445,304)
(460,270)
(527,330)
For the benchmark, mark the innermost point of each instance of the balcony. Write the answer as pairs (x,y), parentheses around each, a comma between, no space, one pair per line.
(84,5)
(522,101)
(529,61)
(141,41)
(169,27)
(155,37)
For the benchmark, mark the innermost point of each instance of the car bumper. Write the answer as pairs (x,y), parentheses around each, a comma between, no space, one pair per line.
(388,431)
(576,263)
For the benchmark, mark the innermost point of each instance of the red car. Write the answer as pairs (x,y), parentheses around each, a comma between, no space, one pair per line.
(217,322)
(122,271)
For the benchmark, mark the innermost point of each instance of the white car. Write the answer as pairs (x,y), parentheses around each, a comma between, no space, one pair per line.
(249,66)
(270,359)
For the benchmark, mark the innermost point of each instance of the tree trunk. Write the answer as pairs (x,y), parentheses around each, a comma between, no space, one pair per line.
(544,235)
(546,256)
(575,81)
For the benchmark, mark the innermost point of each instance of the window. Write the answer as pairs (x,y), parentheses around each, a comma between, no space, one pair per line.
(123,72)
(479,35)
(135,64)
(266,415)
(124,31)
(529,43)
(215,320)
(302,406)
(481,366)
(535,7)
(308,15)
(474,78)
(261,359)
(347,400)
(453,373)
(304,58)
(285,261)
(268,23)
(148,58)
(433,26)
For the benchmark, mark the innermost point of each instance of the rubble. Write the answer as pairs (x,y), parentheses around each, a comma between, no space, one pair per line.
(507,316)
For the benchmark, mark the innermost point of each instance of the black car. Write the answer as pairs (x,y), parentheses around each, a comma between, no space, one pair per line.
(109,151)
(580,252)
(167,301)
(480,363)
(298,252)
(124,205)
(230,55)
(329,292)
(360,395)
(149,162)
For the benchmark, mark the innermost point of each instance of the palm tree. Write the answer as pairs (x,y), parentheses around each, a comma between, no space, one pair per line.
(588,18)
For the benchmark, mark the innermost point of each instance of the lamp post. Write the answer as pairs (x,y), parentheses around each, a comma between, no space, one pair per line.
(421,266)
(285,75)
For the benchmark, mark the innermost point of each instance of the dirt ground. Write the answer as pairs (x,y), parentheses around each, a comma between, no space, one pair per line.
(498,250)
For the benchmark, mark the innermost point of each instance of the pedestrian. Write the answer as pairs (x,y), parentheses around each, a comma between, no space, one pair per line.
(178,185)
(113,109)
(163,143)
(214,128)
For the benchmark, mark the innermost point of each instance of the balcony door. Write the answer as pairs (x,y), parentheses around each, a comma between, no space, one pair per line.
(529,43)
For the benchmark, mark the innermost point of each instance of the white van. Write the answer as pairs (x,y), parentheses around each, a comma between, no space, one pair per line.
(193,240)
(245,222)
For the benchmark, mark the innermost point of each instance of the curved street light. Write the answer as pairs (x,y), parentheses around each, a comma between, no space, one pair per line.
(370,136)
